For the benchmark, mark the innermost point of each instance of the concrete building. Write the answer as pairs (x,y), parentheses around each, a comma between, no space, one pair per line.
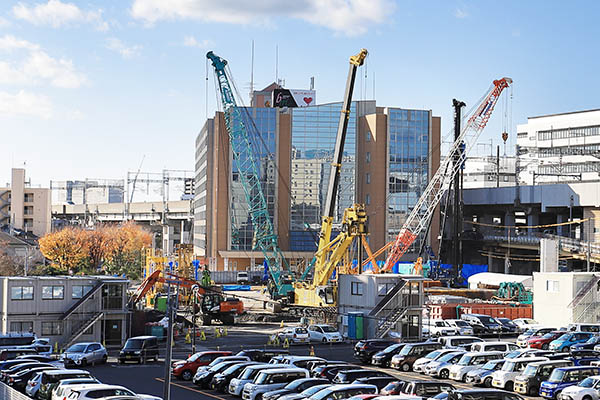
(66,309)
(25,207)
(562,298)
(365,293)
(489,171)
(171,222)
(389,156)
(88,191)
(560,148)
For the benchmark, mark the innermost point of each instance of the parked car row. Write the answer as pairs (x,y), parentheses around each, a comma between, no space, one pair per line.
(45,377)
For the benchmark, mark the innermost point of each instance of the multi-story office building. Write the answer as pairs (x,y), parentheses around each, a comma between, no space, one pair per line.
(25,207)
(389,154)
(489,171)
(66,309)
(560,148)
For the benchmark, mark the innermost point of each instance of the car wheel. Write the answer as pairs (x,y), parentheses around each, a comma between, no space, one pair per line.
(104,359)
(324,340)
(587,398)
(545,346)
(83,362)
(186,375)
(533,391)
(557,394)
(142,360)
(565,349)
(487,382)
(444,374)
(405,367)
(509,386)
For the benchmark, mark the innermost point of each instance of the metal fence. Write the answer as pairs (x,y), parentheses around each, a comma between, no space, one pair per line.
(8,393)
(231,276)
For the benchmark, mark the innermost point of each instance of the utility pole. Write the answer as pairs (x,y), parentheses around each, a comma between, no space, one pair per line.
(169,351)
(458,158)
(498,166)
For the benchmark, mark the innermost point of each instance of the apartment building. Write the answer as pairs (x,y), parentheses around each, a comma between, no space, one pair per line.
(66,309)
(24,207)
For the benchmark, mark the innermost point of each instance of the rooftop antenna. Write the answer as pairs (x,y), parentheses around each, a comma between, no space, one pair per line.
(277,65)
(312,83)
(252,75)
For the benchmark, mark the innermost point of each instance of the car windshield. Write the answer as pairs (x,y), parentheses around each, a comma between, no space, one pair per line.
(549,335)
(557,375)
(487,320)
(528,321)
(312,390)
(322,394)
(465,360)
(219,367)
(529,332)
(460,322)
(301,330)
(134,344)
(406,350)
(509,366)
(433,354)
(490,365)
(250,373)
(530,370)
(193,357)
(593,340)
(587,383)
(391,348)
(328,329)
(77,348)
(447,357)
(232,369)
(261,378)
(565,337)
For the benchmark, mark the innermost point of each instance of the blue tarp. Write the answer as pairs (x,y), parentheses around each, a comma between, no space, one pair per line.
(244,288)
(469,270)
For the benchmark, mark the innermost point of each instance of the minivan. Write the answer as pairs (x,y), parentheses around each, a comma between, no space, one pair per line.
(529,381)
(350,375)
(504,379)
(483,324)
(456,342)
(140,349)
(236,385)
(564,377)
(51,378)
(504,347)
(343,391)
(411,352)
(9,354)
(186,369)
(478,394)
(425,389)
(470,361)
(420,363)
(595,328)
(262,355)
(272,379)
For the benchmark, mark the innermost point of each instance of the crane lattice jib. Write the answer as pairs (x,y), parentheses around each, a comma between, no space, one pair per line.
(419,217)
(264,237)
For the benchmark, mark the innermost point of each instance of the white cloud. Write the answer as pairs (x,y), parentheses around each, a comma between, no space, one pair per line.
(25,103)
(351,17)
(4,23)
(461,13)
(57,14)
(37,67)
(125,51)
(190,41)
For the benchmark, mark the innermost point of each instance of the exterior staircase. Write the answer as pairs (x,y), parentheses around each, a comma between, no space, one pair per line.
(75,307)
(82,327)
(82,315)
(394,305)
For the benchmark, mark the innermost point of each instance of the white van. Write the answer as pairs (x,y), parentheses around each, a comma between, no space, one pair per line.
(470,361)
(505,378)
(272,379)
(344,391)
(584,328)
(236,385)
(457,342)
(463,326)
(504,347)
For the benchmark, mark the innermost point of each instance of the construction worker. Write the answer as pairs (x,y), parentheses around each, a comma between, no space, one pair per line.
(206,280)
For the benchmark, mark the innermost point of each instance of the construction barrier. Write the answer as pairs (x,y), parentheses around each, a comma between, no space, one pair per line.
(453,311)
(8,393)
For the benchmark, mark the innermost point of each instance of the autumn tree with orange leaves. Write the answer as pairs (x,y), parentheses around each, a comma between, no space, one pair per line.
(108,249)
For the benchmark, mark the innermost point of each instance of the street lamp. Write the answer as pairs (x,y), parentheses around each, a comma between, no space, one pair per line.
(570,215)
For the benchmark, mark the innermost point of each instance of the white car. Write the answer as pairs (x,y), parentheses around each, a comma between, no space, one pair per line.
(294,335)
(100,391)
(505,378)
(57,392)
(420,364)
(324,333)
(439,327)
(586,389)
(464,329)
(525,323)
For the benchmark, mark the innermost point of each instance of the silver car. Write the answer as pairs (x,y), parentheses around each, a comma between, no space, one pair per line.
(33,385)
(82,354)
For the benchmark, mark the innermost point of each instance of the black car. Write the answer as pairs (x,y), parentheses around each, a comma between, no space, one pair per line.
(379,381)
(296,386)
(384,356)
(589,345)
(139,349)
(204,378)
(349,376)
(20,367)
(507,325)
(19,380)
(478,394)
(261,355)
(220,381)
(330,371)
(365,349)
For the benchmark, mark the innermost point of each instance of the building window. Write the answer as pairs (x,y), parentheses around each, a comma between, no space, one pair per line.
(21,293)
(552,286)
(368,136)
(52,328)
(368,178)
(368,199)
(368,157)
(53,292)
(28,198)
(21,326)
(81,290)
(356,288)
(384,288)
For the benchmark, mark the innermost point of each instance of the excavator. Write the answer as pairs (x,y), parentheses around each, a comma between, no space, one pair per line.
(210,301)
(321,292)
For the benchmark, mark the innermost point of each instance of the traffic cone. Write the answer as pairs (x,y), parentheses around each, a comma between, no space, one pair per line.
(202,336)
(217,333)
(286,344)
(188,338)
(224,331)
(312,351)
(56,347)
(276,340)
(281,324)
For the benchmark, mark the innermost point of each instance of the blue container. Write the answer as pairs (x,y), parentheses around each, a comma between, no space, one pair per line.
(355,325)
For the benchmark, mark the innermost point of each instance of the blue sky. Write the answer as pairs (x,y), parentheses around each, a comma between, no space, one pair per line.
(87,88)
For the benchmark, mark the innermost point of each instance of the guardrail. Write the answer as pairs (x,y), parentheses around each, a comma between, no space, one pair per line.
(565,243)
(8,393)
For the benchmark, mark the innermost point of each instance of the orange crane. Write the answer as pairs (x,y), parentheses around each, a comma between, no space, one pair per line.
(212,304)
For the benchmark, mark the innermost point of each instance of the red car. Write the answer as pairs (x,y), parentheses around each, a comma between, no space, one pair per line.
(542,342)
(187,369)
(392,388)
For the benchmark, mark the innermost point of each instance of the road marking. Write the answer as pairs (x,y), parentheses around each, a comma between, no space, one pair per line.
(192,389)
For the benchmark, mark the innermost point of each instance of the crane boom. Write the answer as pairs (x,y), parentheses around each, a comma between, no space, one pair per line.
(265,238)
(449,167)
